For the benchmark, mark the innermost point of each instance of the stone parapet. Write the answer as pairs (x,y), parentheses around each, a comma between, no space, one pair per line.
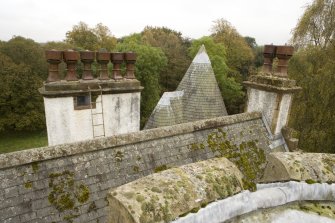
(164,196)
(309,167)
(77,148)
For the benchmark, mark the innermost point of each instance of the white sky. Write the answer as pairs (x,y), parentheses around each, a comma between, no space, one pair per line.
(269,21)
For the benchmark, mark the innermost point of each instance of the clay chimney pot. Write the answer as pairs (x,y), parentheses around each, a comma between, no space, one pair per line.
(117,57)
(130,56)
(284,52)
(103,56)
(53,55)
(71,55)
(269,51)
(87,55)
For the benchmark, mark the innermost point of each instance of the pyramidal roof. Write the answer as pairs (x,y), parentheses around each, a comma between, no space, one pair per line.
(197,97)
(202,56)
(202,97)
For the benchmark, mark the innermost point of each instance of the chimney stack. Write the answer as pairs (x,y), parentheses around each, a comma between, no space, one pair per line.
(272,94)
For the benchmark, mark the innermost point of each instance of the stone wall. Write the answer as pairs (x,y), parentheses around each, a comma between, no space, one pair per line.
(69,183)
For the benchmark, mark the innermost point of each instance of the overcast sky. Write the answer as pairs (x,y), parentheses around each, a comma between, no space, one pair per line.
(269,21)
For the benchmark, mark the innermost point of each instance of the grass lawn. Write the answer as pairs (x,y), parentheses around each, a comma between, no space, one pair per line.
(14,141)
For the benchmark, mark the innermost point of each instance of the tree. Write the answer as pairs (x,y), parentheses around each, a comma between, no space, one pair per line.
(257,52)
(230,89)
(317,25)
(26,51)
(313,67)
(57,45)
(174,47)
(21,105)
(239,55)
(313,108)
(150,62)
(105,38)
(84,37)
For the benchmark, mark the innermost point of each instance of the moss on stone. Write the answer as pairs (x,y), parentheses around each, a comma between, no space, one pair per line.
(82,193)
(28,185)
(136,169)
(35,167)
(64,194)
(92,207)
(153,211)
(311,181)
(156,189)
(140,198)
(160,168)
(247,156)
(119,156)
(69,218)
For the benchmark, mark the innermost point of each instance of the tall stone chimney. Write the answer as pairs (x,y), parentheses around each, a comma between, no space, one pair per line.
(83,107)
(271,91)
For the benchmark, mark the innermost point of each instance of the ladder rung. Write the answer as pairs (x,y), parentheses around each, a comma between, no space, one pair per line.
(98,124)
(99,113)
(98,136)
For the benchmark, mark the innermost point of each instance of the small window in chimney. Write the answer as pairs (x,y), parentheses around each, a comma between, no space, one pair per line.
(82,102)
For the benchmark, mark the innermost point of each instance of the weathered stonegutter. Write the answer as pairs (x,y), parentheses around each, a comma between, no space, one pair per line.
(164,196)
(309,167)
(70,182)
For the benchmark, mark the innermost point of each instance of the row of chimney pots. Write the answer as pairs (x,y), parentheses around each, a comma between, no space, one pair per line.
(282,53)
(71,58)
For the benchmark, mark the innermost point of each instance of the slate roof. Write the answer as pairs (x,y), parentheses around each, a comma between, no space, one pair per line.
(197,97)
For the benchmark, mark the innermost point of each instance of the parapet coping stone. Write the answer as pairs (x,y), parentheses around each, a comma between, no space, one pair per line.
(299,166)
(268,82)
(18,158)
(70,88)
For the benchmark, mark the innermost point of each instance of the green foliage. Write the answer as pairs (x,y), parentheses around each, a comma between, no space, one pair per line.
(150,62)
(313,109)
(21,105)
(27,52)
(240,56)
(316,26)
(87,38)
(174,47)
(230,89)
